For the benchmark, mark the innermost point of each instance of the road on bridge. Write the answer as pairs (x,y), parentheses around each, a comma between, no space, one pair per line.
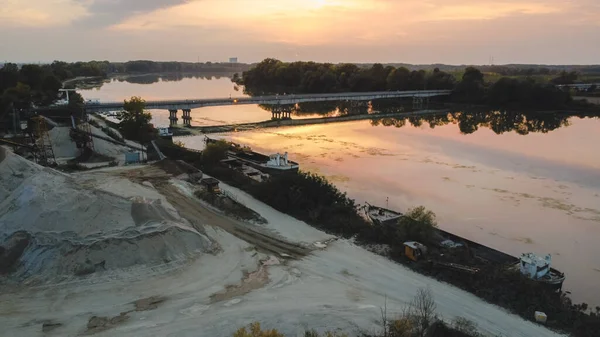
(187,104)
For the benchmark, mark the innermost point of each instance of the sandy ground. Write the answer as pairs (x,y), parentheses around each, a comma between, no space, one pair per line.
(103,123)
(68,229)
(65,149)
(258,275)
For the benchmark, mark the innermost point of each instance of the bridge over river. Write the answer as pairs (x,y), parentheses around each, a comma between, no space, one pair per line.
(186,105)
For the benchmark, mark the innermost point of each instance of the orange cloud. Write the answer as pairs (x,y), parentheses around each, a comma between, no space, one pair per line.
(316,22)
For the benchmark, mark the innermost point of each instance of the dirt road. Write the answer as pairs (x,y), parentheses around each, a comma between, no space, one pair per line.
(198,214)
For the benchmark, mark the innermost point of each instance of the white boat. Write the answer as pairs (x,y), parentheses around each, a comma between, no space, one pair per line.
(273,164)
(538,268)
(164,132)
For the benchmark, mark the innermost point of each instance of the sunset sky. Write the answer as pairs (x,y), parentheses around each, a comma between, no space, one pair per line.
(412,31)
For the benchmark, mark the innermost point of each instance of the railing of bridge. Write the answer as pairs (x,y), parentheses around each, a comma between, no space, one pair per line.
(341,96)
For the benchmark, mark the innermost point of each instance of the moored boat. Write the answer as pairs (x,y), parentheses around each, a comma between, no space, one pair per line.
(273,164)
(538,268)
(381,216)
(529,264)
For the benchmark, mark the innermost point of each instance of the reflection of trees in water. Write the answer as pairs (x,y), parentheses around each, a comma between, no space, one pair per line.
(90,84)
(342,108)
(497,121)
(141,79)
(325,109)
(150,79)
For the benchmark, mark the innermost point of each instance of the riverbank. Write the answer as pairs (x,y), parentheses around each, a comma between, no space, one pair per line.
(489,285)
(206,266)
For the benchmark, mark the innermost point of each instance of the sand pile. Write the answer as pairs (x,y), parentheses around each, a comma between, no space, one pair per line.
(52,228)
(62,144)
(64,147)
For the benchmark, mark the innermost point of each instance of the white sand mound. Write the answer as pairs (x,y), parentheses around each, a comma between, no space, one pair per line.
(64,147)
(51,228)
(62,144)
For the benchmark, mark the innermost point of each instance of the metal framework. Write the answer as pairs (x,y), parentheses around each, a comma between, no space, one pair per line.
(45,152)
(82,139)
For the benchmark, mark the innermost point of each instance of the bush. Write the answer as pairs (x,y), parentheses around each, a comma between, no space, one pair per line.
(465,326)
(417,224)
(421,311)
(256,331)
(311,198)
(215,152)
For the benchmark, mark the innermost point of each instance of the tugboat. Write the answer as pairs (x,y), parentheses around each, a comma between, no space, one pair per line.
(538,268)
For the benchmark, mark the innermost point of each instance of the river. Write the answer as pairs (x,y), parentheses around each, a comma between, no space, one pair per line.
(516,191)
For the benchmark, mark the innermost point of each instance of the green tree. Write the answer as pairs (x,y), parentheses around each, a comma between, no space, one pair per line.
(19,96)
(471,88)
(398,79)
(135,121)
(9,76)
(215,152)
(417,224)
(565,78)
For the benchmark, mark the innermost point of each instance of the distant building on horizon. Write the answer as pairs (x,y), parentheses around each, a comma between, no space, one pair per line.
(233,60)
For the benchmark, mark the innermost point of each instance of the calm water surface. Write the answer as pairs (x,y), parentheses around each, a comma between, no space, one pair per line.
(518,193)
(187,88)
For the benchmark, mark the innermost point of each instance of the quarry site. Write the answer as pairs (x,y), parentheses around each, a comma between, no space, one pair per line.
(131,251)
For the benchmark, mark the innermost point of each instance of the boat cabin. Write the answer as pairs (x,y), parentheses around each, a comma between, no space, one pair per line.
(211,185)
(164,132)
(534,266)
(278,160)
(414,250)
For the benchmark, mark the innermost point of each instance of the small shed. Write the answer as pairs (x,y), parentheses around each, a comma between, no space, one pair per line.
(211,185)
(414,250)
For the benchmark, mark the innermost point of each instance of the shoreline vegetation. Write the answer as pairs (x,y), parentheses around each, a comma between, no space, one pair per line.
(272,76)
(311,198)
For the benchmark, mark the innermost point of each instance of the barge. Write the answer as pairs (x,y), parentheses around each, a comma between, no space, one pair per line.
(273,164)
(529,265)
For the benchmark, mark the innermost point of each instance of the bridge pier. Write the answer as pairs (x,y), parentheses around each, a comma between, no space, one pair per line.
(187,118)
(281,112)
(173,117)
(278,114)
(418,102)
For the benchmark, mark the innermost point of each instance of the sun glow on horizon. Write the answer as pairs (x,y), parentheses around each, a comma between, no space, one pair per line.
(326,22)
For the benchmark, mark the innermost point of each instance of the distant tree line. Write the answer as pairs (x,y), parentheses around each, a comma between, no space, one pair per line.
(519,71)
(272,76)
(144,66)
(275,77)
